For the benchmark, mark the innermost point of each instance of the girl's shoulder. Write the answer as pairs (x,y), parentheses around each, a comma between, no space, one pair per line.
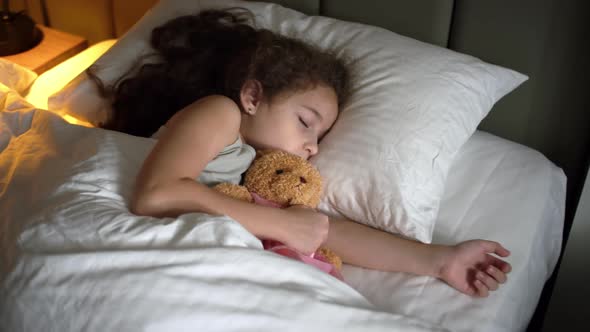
(210,108)
(211,116)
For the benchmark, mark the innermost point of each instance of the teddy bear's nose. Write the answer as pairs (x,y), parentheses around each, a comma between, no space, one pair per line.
(302,179)
(279,171)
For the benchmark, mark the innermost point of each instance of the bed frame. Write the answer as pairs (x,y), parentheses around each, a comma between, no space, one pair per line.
(541,38)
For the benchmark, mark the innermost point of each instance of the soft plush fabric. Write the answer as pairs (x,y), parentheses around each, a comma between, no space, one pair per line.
(386,159)
(15,76)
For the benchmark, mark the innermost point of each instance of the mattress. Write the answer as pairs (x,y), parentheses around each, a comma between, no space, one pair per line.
(496,190)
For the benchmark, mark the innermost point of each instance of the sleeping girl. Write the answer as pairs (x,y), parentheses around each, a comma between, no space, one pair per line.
(222,89)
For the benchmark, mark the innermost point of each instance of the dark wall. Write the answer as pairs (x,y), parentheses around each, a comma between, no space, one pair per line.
(549,40)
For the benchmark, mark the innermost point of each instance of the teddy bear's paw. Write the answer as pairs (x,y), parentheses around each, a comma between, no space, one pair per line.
(331,257)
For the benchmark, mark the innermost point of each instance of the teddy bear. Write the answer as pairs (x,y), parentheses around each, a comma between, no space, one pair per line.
(281,179)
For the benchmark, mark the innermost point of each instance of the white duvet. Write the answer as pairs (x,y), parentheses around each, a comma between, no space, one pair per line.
(74,259)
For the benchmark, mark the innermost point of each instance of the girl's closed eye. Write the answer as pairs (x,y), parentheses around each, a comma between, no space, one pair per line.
(303,122)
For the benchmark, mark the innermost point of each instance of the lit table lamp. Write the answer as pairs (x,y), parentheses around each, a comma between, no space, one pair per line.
(18,32)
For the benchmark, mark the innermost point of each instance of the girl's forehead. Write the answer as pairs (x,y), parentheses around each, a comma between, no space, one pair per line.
(320,99)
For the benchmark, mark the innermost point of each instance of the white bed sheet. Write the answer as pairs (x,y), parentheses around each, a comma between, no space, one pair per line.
(73,258)
(497,190)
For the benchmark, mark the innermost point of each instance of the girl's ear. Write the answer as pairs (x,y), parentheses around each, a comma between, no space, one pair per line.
(251,96)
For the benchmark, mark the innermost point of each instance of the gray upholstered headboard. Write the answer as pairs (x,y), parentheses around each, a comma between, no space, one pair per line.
(426,20)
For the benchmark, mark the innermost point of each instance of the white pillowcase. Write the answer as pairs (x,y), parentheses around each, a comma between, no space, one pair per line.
(15,76)
(386,159)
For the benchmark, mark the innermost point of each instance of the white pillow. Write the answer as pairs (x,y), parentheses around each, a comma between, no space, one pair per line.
(15,76)
(413,106)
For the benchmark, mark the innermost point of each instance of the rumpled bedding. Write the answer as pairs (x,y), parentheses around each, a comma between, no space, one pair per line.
(73,258)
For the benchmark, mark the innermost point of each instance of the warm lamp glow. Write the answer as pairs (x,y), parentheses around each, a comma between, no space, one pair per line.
(73,120)
(57,77)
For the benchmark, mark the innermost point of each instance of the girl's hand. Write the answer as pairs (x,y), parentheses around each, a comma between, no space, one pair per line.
(469,267)
(304,229)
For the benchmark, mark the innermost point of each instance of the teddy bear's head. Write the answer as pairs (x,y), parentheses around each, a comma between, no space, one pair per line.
(284,178)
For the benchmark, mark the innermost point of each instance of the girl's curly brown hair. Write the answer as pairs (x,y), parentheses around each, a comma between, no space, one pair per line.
(215,52)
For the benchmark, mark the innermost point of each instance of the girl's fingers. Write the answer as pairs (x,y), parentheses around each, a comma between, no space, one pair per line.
(503,266)
(496,248)
(488,281)
(495,273)
(481,289)
(470,290)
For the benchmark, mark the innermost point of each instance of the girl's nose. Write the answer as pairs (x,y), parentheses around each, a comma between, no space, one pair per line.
(312,149)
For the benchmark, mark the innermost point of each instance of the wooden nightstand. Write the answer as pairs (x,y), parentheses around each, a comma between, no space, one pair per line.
(55,47)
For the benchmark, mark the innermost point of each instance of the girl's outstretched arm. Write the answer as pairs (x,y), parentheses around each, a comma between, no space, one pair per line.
(468,266)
